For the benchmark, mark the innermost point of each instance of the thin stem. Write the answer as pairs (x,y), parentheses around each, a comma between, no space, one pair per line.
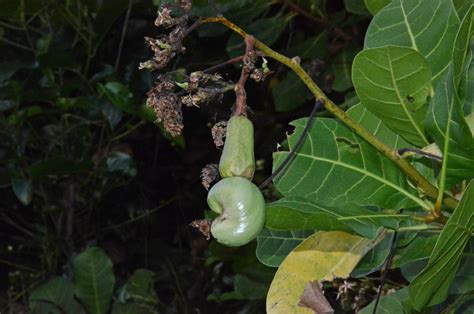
(14,44)
(388,264)
(402,152)
(318,104)
(403,164)
(124,30)
(226,63)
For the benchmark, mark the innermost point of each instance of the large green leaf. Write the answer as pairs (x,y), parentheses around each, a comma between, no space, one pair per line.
(341,69)
(426,26)
(418,250)
(446,123)
(375,6)
(93,280)
(336,167)
(396,302)
(322,256)
(290,93)
(273,246)
(374,259)
(431,286)
(374,125)
(464,280)
(312,48)
(298,213)
(394,84)
(461,50)
(56,296)
(140,287)
(356,7)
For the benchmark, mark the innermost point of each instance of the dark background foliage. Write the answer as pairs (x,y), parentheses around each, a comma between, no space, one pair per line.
(82,163)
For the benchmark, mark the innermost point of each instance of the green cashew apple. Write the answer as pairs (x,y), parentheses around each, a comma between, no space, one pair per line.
(237,159)
(242,211)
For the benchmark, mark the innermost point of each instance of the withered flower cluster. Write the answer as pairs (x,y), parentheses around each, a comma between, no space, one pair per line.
(167,45)
(166,105)
(202,87)
(209,174)
(218,133)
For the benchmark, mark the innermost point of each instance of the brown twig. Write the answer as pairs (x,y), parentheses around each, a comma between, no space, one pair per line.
(248,60)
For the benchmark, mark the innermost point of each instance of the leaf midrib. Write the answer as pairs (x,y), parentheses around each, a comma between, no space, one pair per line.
(367,173)
(400,99)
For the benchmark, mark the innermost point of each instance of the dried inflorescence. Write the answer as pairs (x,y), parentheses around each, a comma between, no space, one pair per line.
(166,46)
(218,133)
(166,105)
(202,87)
(209,174)
(260,74)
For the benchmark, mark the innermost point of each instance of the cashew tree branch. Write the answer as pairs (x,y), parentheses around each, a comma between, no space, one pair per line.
(420,181)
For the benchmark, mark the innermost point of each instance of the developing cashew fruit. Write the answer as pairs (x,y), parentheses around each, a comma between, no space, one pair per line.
(242,211)
(237,159)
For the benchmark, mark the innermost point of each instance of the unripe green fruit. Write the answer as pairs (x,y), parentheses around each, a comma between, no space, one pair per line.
(237,159)
(242,211)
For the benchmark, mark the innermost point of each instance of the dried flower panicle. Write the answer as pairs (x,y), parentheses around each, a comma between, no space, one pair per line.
(260,74)
(202,88)
(166,104)
(166,46)
(218,132)
(209,174)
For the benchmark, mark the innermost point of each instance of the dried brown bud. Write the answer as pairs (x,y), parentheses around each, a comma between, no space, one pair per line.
(204,226)
(209,174)
(218,133)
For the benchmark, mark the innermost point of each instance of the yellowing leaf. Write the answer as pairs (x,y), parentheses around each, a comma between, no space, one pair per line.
(322,256)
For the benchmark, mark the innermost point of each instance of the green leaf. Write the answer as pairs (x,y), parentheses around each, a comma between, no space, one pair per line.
(428,27)
(23,190)
(312,48)
(418,250)
(273,246)
(374,259)
(431,286)
(445,122)
(356,7)
(464,280)
(298,213)
(132,308)
(374,6)
(93,280)
(56,296)
(267,30)
(462,7)
(121,163)
(394,303)
(375,126)
(322,256)
(250,283)
(336,167)
(140,287)
(341,69)
(6,104)
(462,49)
(290,93)
(107,14)
(119,95)
(58,166)
(394,84)
(294,213)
